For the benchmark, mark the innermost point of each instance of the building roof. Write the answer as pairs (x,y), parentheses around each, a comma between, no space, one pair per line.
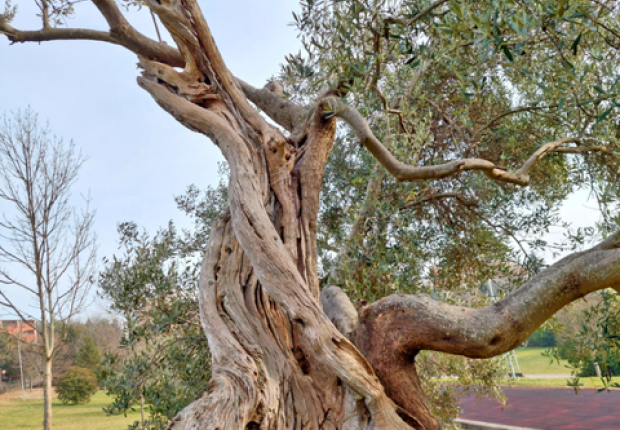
(24,330)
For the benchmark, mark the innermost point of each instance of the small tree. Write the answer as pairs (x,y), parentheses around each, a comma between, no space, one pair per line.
(89,356)
(43,234)
(166,363)
(77,385)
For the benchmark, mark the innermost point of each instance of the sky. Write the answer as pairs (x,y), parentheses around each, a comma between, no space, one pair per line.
(139,157)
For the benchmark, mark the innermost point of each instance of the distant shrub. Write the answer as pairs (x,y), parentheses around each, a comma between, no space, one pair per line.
(569,350)
(89,357)
(609,366)
(542,338)
(77,385)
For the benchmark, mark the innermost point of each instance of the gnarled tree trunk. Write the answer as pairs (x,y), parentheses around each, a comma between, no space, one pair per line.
(278,361)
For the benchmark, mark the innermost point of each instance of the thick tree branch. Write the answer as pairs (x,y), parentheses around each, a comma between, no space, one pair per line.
(408,324)
(339,309)
(284,112)
(405,172)
(189,29)
(121,33)
(135,41)
(392,331)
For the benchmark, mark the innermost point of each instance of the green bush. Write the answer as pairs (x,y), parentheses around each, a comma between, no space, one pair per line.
(609,366)
(77,385)
(569,350)
(542,338)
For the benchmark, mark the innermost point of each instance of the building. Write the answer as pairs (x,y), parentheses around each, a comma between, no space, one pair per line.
(24,330)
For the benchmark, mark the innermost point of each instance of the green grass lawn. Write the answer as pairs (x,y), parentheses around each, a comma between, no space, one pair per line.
(532,362)
(28,415)
(560,382)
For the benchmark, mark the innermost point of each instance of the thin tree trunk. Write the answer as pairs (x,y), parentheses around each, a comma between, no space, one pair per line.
(47,394)
(142,409)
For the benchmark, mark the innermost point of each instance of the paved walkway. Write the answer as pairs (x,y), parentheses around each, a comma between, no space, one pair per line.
(547,376)
(549,409)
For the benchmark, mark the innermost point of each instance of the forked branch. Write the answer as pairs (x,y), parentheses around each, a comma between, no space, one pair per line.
(405,172)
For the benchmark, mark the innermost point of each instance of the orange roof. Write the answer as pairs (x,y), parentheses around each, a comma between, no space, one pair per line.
(24,330)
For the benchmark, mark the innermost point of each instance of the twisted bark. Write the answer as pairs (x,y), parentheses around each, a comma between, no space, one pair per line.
(291,367)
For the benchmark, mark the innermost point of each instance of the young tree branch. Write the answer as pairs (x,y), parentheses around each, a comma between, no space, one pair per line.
(440,196)
(417,17)
(48,34)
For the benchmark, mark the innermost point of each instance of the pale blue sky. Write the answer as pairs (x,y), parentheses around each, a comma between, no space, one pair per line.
(139,156)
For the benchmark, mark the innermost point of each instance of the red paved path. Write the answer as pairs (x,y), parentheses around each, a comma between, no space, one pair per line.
(549,409)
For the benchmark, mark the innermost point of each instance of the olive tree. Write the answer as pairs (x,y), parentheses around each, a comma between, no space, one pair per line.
(452,98)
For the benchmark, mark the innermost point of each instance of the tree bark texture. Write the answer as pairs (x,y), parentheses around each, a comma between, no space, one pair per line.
(278,361)
(286,356)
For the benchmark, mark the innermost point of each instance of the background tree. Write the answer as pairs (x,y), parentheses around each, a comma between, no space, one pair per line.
(588,333)
(457,104)
(89,356)
(104,331)
(51,243)
(77,385)
(8,357)
(165,362)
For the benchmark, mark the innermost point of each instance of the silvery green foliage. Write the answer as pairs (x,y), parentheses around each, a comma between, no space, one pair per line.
(593,341)
(153,285)
(433,87)
(9,11)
